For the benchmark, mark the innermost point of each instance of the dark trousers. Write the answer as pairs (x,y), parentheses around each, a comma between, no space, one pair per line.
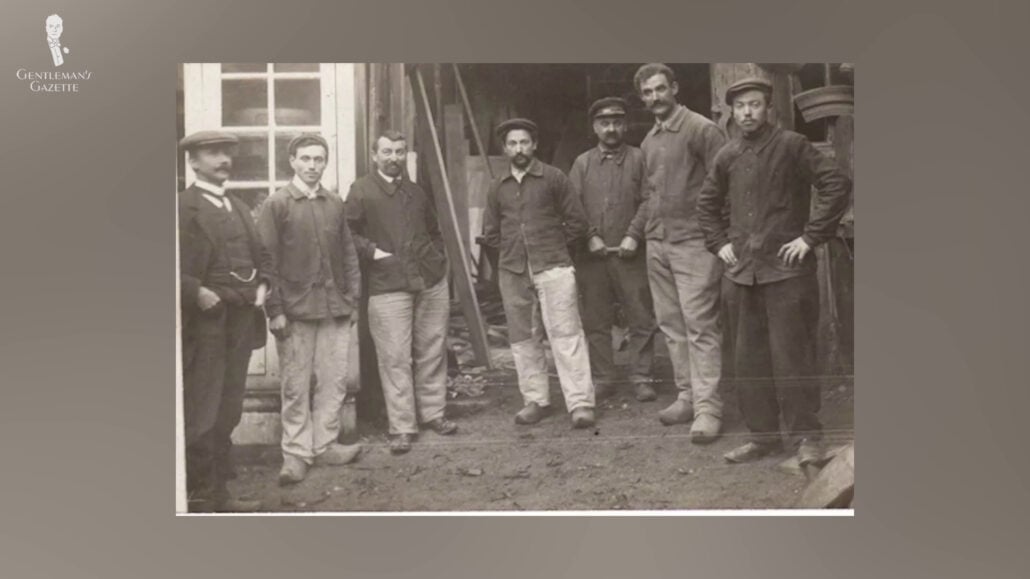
(774,356)
(603,283)
(216,353)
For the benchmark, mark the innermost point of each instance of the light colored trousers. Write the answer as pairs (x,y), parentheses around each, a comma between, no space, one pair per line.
(554,292)
(685,284)
(409,330)
(311,417)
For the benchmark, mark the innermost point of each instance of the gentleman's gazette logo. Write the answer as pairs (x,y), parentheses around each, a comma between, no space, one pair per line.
(50,81)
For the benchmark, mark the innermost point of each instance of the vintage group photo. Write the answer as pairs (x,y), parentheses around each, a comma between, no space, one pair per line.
(515,288)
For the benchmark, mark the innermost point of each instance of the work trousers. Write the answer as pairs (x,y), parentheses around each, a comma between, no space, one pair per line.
(311,416)
(774,358)
(685,284)
(216,353)
(553,293)
(410,331)
(603,283)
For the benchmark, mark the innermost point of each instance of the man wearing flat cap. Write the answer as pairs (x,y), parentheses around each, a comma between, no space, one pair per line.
(610,179)
(224,273)
(532,213)
(760,218)
(684,276)
(402,252)
(311,308)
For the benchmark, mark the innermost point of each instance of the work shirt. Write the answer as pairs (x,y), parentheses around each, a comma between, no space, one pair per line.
(767,180)
(313,254)
(531,222)
(611,187)
(398,218)
(679,152)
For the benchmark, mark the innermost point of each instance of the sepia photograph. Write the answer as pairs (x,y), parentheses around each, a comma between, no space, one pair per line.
(591,288)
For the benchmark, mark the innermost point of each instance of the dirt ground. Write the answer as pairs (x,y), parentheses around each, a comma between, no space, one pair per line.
(629,461)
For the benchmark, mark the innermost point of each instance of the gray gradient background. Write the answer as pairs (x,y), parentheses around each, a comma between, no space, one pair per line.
(86,254)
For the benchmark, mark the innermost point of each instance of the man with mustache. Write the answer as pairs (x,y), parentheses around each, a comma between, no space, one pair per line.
(224,272)
(684,276)
(766,238)
(532,211)
(311,308)
(398,238)
(610,179)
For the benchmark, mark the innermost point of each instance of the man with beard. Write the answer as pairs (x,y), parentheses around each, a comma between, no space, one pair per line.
(224,272)
(766,239)
(610,180)
(398,238)
(684,276)
(310,308)
(532,211)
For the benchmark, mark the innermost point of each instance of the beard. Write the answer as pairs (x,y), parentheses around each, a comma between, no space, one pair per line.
(391,168)
(521,161)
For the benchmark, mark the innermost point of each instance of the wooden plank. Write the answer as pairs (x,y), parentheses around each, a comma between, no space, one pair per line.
(456,153)
(436,168)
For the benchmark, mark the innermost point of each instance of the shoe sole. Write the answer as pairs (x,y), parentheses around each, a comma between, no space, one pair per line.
(752,457)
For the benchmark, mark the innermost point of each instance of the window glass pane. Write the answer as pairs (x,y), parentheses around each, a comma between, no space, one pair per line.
(296,67)
(244,67)
(251,160)
(282,156)
(244,102)
(298,102)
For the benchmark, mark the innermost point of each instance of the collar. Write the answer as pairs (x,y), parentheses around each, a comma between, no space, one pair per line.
(389,180)
(535,168)
(303,188)
(210,187)
(761,138)
(388,185)
(53,41)
(618,154)
(673,123)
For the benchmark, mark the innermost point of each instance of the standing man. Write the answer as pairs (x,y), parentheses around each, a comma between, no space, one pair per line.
(311,308)
(684,276)
(399,241)
(610,179)
(224,272)
(532,210)
(766,240)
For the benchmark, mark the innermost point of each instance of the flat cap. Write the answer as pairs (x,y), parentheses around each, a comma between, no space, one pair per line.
(512,124)
(309,138)
(745,84)
(608,107)
(207,139)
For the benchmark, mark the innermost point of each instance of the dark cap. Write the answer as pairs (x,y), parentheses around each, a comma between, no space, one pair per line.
(745,84)
(207,139)
(512,124)
(310,138)
(608,107)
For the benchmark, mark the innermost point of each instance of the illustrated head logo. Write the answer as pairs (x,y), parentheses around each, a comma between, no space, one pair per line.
(54,28)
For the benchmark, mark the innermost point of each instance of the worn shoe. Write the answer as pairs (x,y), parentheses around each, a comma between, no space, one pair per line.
(679,412)
(293,471)
(442,426)
(582,418)
(400,443)
(532,413)
(643,392)
(338,454)
(238,506)
(751,451)
(811,453)
(705,428)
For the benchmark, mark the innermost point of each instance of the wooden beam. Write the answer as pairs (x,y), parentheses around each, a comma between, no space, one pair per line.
(436,168)
(456,154)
